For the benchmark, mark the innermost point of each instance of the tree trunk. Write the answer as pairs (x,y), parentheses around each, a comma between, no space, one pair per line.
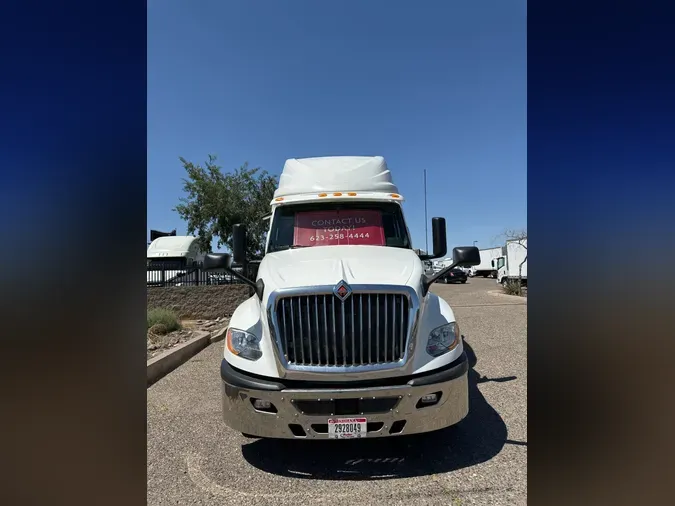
(520,276)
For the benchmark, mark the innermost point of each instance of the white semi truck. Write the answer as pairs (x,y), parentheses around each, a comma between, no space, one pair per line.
(511,265)
(170,258)
(486,267)
(342,337)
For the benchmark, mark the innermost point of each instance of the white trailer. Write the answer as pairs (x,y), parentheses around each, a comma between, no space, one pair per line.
(512,264)
(486,267)
(170,258)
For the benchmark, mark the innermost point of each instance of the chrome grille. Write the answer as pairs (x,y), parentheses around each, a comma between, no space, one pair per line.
(321,330)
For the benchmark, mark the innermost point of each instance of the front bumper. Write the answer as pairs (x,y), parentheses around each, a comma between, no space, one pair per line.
(302,409)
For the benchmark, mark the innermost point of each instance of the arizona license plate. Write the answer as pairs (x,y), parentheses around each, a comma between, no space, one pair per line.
(347,428)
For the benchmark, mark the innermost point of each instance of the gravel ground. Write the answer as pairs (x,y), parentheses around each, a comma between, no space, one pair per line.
(193,458)
(159,344)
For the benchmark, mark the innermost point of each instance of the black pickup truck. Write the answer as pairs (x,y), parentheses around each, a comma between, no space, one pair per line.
(454,276)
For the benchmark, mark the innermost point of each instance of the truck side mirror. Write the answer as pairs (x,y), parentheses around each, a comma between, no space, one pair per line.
(239,244)
(464,256)
(439,239)
(214,261)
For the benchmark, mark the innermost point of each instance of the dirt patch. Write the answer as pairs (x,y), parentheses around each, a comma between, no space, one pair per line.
(500,293)
(158,343)
(199,302)
(523,292)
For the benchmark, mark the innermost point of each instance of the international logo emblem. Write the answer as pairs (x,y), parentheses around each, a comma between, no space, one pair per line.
(342,291)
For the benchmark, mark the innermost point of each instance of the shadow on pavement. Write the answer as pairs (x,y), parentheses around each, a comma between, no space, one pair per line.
(478,438)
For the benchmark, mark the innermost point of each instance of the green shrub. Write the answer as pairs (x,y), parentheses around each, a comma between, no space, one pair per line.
(163,319)
(513,288)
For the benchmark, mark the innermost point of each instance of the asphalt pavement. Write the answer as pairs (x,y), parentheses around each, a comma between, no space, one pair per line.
(193,458)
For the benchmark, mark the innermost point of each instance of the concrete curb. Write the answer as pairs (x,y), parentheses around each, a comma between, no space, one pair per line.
(218,335)
(514,297)
(165,362)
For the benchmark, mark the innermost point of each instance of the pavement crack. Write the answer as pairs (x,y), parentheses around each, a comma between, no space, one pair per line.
(207,485)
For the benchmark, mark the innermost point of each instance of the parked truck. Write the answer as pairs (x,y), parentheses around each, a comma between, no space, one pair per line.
(342,337)
(511,265)
(171,258)
(486,267)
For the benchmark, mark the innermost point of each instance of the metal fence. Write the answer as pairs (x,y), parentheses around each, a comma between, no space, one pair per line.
(166,275)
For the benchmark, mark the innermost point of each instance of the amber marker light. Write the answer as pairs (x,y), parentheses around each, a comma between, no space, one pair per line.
(228,341)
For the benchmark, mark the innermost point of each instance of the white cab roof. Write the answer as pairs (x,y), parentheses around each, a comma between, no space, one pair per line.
(171,245)
(303,176)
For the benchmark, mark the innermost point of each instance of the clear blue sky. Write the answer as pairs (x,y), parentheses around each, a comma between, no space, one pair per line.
(441,86)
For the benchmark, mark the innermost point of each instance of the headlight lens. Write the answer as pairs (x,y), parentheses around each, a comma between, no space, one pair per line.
(443,339)
(243,344)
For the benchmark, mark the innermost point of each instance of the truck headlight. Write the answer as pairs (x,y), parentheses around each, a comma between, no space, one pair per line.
(243,344)
(443,339)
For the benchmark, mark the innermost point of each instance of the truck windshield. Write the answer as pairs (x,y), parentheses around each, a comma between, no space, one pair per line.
(338,224)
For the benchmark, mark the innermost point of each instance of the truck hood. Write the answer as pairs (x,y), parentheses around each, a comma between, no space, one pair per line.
(328,265)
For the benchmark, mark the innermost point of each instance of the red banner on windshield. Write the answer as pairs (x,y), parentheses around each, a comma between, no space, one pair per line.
(339,228)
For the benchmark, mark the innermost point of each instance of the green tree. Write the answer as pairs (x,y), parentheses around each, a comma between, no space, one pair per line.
(216,201)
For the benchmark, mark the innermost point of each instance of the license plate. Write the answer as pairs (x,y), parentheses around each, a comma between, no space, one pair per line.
(347,428)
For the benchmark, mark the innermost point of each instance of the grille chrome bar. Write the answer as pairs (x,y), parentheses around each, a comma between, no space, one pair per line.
(402,330)
(334,333)
(353,333)
(344,336)
(377,325)
(386,298)
(316,320)
(326,332)
(302,341)
(325,326)
(361,332)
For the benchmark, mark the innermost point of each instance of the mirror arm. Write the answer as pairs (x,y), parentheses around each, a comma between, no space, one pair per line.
(427,280)
(241,277)
(258,286)
(430,257)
